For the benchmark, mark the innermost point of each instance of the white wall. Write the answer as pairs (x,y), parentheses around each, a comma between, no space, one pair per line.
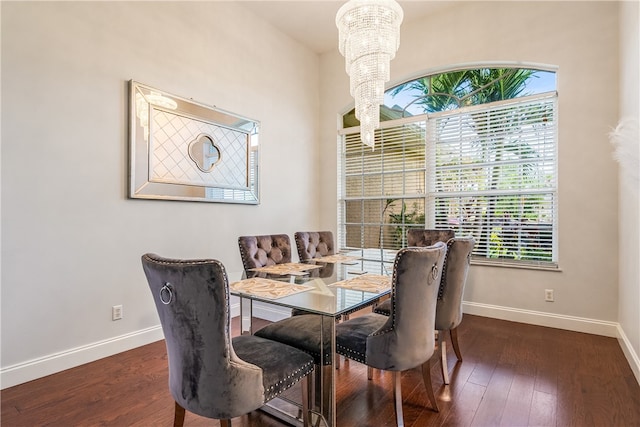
(629,205)
(71,240)
(581,39)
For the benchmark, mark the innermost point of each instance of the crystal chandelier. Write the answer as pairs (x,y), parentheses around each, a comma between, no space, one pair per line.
(369,36)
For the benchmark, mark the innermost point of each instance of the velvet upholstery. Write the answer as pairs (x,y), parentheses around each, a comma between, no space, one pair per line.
(314,244)
(261,251)
(397,342)
(419,237)
(454,279)
(211,374)
(301,331)
(449,305)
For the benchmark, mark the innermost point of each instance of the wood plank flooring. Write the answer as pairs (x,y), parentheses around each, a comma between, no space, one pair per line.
(513,374)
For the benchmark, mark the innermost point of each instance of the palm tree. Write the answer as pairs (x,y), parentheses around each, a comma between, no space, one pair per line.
(456,89)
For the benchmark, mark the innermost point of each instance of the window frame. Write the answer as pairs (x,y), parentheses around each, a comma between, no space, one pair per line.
(430,194)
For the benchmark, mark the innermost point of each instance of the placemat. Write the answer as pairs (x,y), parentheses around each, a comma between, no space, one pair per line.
(268,288)
(289,268)
(375,283)
(336,258)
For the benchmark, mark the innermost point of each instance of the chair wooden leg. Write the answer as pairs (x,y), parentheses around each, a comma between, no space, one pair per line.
(397,397)
(369,372)
(225,423)
(426,377)
(443,358)
(454,343)
(178,417)
(304,384)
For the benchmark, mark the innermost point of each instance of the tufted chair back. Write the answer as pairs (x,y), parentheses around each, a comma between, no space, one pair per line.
(419,237)
(261,251)
(454,278)
(314,244)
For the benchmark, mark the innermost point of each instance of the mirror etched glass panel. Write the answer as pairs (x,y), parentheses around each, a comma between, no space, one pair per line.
(183,150)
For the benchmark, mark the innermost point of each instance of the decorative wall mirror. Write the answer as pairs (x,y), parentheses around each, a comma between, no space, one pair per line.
(183,150)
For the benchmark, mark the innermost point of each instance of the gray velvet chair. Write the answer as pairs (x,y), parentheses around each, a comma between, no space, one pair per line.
(449,306)
(314,244)
(398,342)
(210,373)
(419,237)
(261,251)
(265,250)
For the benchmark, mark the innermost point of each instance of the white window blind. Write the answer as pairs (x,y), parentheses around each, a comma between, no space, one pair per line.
(383,191)
(488,171)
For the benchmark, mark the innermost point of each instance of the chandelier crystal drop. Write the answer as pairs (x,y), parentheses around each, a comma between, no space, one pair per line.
(369,36)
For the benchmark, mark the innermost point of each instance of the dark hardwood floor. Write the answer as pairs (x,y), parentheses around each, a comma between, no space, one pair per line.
(513,374)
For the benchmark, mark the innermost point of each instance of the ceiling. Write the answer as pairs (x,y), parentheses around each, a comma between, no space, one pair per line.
(312,22)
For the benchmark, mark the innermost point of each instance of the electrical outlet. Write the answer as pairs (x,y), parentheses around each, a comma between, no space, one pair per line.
(548,295)
(116,312)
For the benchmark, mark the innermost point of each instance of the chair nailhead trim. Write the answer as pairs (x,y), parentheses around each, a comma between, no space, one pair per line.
(296,376)
(351,354)
(227,329)
(443,278)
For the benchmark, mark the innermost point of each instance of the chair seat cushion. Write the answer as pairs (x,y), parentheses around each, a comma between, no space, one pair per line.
(302,332)
(282,365)
(384,308)
(351,336)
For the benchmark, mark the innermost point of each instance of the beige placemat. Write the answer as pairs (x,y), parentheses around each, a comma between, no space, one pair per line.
(367,283)
(289,268)
(337,258)
(268,288)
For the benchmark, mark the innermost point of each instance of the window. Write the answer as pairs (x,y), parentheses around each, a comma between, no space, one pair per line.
(471,150)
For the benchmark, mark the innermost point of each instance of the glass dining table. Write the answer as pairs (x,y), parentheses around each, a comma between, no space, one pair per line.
(329,287)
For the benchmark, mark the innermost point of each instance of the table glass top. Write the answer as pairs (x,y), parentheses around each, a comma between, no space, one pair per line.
(332,289)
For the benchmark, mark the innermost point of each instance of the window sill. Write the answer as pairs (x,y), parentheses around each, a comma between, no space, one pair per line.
(516,264)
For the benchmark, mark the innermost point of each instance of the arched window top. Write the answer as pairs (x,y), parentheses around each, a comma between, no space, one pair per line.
(452,90)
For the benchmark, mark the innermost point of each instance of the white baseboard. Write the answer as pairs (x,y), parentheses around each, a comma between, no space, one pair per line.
(629,353)
(57,362)
(38,368)
(560,321)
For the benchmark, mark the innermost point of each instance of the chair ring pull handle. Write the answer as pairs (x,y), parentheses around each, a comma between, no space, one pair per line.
(434,272)
(166,294)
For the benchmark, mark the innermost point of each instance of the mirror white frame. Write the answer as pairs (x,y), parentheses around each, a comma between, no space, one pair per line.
(180,149)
